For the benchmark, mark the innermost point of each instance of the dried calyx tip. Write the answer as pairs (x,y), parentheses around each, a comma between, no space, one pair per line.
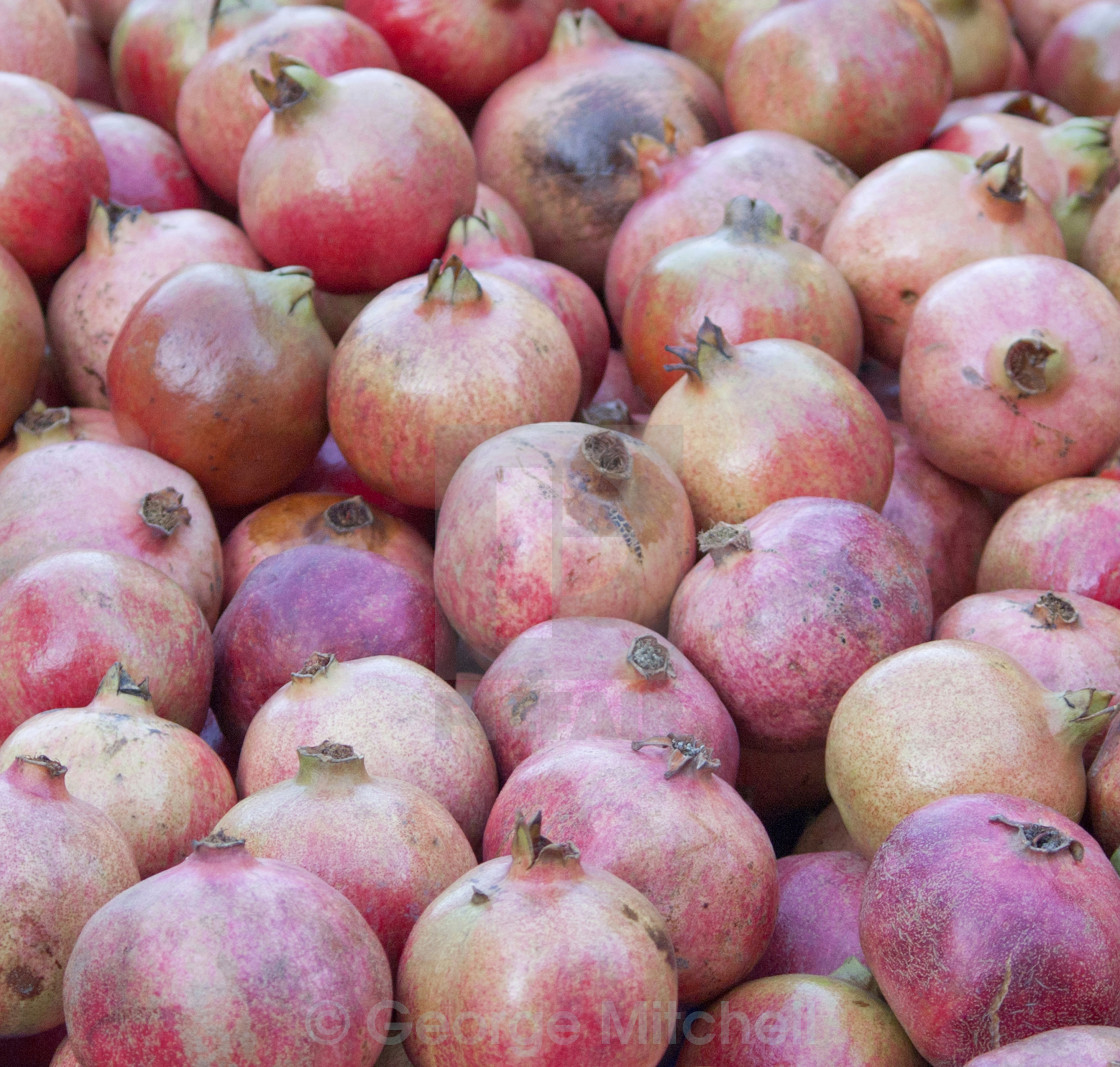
(709,341)
(51,766)
(117,680)
(219,839)
(607,452)
(684,751)
(317,663)
(1053,611)
(724,537)
(1012,187)
(1038,837)
(39,418)
(330,752)
(1025,366)
(164,511)
(350,514)
(530,845)
(650,658)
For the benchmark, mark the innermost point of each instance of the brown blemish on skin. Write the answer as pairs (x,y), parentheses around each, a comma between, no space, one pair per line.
(24,983)
(522,705)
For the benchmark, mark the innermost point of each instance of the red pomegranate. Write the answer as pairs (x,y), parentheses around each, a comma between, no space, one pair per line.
(705,30)
(1076,63)
(38,41)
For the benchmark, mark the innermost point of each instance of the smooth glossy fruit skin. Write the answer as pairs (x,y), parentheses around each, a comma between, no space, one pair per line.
(948,925)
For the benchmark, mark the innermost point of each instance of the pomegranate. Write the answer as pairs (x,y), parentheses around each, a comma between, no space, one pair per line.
(956,211)
(705,30)
(1009,101)
(817,927)
(754,423)
(502,220)
(340,213)
(983,862)
(1077,64)
(298,974)
(864,79)
(421,730)
(388,846)
(52,166)
(40,425)
(947,520)
(320,518)
(978,36)
(38,41)
(63,859)
(451,359)
(64,1056)
(219,106)
(22,341)
(1104,793)
(748,277)
(922,700)
(712,874)
(1034,19)
(222,370)
(825,833)
(97,495)
(161,784)
(579,678)
(684,194)
(646,20)
(461,49)
(1090,1045)
(319,596)
(127,250)
(551,137)
(95,80)
(592,523)
(601,956)
(1100,254)
(791,607)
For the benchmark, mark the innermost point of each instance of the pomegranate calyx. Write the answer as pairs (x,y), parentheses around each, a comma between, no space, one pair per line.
(118,682)
(1083,147)
(606,451)
(711,345)
(1054,612)
(1004,183)
(684,751)
(1038,837)
(650,658)
(113,214)
(531,849)
(317,665)
(218,842)
(724,538)
(329,752)
(164,511)
(650,154)
(746,220)
(51,767)
(330,765)
(1024,363)
(283,90)
(1026,106)
(580,29)
(452,283)
(345,516)
(467,228)
(41,425)
(853,971)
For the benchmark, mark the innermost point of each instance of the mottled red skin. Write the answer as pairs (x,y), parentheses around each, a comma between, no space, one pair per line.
(705,30)
(597,945)
(155,43)
(148,975)
(419,728)
(569,679)
(147,167)
(549,138)
(1076,64)
(461,49)
(339,213)
(643,20)
(503,220)
(74,860)
(38,41)
(319,598)
(1047,111)
(753,285)
(817,928)
(915,219)
(1034,19)
(447,373)
(22,341)
(1100,254)
(299,519)
(947,521)
(87,494)
(711,873)
(779,419)
(389,847)
(1060,536)
(827,589)
(223,371)
(121,261)
(219,107)
(798,1019)
(978,36)
(67,617)
(684,194)
(529,531)
(864,81)
(778,783)
(948,919)
(52,165)
(1089,1046)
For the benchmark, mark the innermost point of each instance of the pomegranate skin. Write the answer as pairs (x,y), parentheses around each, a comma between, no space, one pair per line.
(66,617)
(584,677)
(712,874)
(1033,545)
(40,426)
(75,860)
(39,41)
(942,922)
(1090,1046)
(1011,373)
(1076,65)
(1100,255)
(319,597)
(297,973)
(624,537)
(24,341)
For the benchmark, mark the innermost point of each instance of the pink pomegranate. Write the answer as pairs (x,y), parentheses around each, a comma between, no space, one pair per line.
(1034,19)
(40,425)
(1104,793)
(159,782)
(864,79)
(1010,101)
(95,80)
(340,213)
(1076,63)
(791,607)
(299,973)
(1095,1045)
(986,862)
(421,730)
(39,42)
(109,497)
(978,35)
(22,341)
(593,523)
(712,874)
(389,847)
(579,678)
(601,953)
(502,220)
(705,30)
(75,860)
(1100,254)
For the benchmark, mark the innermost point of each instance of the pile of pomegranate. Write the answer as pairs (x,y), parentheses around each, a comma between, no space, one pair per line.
(571,532)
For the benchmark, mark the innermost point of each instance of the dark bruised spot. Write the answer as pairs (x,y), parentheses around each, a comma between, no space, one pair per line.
(630,913)
(908,296)
(24,983)
(876,603)
(661,940)
(522,706)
